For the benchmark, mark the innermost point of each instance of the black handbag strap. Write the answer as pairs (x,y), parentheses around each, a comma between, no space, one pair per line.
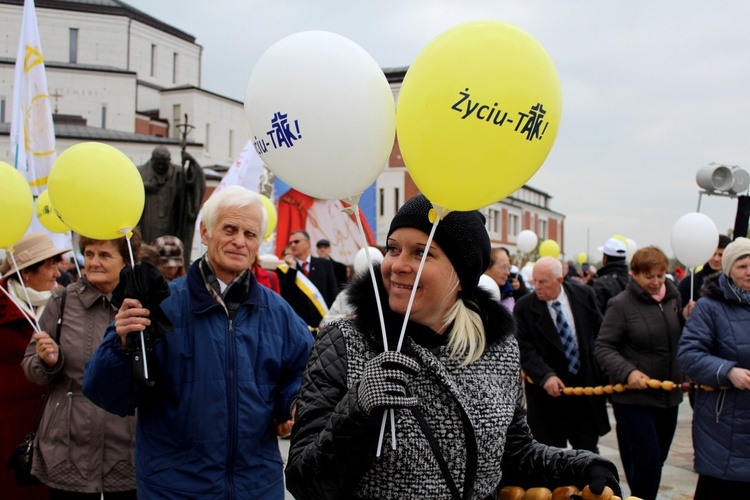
(471,455)
(58,328)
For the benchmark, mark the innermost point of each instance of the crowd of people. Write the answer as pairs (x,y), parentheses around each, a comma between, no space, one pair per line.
(451,386)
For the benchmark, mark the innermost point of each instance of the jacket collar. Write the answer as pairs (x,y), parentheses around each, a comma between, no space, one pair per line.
(202,300)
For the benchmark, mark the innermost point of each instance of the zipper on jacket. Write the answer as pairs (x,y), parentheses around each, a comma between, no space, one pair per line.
(669,340)
(231,407)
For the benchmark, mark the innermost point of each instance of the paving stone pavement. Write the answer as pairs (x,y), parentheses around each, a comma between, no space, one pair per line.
(678,478)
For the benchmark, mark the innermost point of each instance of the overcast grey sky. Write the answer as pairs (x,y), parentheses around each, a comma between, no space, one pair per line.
(652,90)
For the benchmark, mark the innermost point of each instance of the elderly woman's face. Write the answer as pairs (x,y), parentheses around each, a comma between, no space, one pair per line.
(103,265)
(651,280)
(44,277)
(438,285)
(740,272)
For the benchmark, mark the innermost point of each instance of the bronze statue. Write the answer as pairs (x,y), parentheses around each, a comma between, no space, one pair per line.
(174,194)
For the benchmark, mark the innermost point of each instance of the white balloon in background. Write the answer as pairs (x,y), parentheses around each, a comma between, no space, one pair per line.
(632,248)
(321,114)
(526,241)
(694,239)
(360,260)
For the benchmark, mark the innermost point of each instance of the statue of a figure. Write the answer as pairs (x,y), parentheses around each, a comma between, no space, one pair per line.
(173,196)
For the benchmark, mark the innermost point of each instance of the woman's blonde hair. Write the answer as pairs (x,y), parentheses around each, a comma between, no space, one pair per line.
(466,340)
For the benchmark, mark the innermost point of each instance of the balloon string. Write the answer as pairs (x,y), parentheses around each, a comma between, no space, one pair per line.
(75,254)
(354,208)
(23,310)
(128,235)
(35,323)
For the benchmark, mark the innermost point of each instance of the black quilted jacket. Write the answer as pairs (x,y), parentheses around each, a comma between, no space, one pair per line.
(476,414)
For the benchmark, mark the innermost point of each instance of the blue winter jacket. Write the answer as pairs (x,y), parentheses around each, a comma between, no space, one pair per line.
(207,429)
(715,339)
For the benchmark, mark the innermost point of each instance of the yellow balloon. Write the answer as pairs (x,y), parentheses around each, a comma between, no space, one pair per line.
(582,257)
(16,205)
(621,238)
(96,191)
(477,114)
(273,216)
(47,216)
(549,248)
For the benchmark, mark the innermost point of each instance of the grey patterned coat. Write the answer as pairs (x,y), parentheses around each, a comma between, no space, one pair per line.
(475,413)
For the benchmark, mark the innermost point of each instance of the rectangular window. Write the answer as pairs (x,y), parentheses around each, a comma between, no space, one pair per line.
(73,54)
(175,66)
(382,202)
(543,229)
(513,224)
(104,116)
(153,59)
(176,120)
(395,201)
(231,143)
(2,109)
(208,135)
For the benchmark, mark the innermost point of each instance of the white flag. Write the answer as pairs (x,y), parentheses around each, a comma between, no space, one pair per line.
(32,134)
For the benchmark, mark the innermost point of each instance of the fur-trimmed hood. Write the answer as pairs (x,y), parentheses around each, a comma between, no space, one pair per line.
(498,322)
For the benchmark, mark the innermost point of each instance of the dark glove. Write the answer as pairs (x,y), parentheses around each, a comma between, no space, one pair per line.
(383,383)
(600,476)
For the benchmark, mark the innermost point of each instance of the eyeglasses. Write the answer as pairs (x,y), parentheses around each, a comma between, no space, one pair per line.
(294,242)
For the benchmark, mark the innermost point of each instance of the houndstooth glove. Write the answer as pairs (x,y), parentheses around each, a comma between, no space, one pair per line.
(383,383)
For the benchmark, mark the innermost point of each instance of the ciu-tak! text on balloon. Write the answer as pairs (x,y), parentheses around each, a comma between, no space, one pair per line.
(531,124)
(280,135)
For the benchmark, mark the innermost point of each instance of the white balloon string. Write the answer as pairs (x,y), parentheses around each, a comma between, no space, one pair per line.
(31,318)
(354,209)
(23,310)
(75,254)
(128,235)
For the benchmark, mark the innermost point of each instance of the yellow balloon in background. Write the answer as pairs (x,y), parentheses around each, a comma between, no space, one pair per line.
(549,248)
(47,216)
(273,216)
(477,114)
(582,257)
(96,190)
(16,205)
(621,238)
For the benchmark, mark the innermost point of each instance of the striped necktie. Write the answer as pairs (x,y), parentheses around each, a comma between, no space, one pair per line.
(568,341)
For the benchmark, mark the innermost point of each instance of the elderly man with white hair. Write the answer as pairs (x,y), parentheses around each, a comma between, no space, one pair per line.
(224,378)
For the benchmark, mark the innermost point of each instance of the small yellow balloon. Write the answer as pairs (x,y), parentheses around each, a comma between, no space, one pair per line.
(549,248)
(582,258)
(16,205)
(96,190)
(273,216)
(47,216)
(477,114)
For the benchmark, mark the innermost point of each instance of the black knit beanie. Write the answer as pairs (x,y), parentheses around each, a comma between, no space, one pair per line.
(461,235)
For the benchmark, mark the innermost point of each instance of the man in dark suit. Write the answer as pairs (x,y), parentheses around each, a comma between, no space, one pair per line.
(318,271)
(323,247)
(557,325)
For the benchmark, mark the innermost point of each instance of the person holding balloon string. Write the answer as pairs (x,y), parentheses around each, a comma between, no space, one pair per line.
(29,276)
(454,383)
(81,449)
(638,341)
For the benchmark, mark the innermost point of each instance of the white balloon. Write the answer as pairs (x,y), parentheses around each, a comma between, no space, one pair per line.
(360,260)
(321,114)
(526,241)
(490,285)
(694,239)
(632,248)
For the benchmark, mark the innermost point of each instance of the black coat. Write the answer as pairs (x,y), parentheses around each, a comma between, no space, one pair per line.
(332,453)
(543,355)
(321,275)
